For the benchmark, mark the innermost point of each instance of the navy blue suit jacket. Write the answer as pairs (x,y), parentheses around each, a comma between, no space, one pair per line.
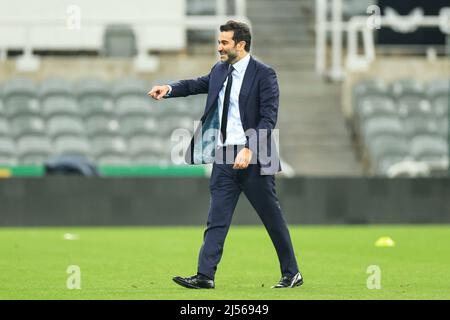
(258,107)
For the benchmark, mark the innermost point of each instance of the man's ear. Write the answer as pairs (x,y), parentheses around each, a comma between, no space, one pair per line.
(242,44)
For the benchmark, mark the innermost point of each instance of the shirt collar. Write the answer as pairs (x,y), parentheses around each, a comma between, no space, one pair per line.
(242,64)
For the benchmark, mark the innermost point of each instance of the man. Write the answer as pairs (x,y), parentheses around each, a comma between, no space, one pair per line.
(242,107)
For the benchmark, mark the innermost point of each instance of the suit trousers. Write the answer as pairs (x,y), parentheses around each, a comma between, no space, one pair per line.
(226,185)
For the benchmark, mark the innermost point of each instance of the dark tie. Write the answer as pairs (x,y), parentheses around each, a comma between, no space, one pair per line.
(226,105)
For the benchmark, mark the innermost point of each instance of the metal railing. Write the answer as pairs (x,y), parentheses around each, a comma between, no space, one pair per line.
(366,25)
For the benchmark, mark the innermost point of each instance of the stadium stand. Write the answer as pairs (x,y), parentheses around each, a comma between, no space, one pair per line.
(403,126)
(60,117)
(389,123)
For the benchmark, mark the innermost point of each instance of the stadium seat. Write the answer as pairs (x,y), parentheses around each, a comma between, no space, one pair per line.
(438,92)
(59,106)
(20,97)
(134,125)
(92,105)
(71,145)
(437,88)
(388,146)
(65,126)
(102,125)
(178,107)
(7,151)
(113,160)
(16,105)
(440,106)
(369,87)
(147,160)
(375,106)
(394,118)
(382,126)
(4,127)
(417,125)
(146,145)
(130,86)
(173,122)
(92,86)
(33,150)
(94,97)
(27,125)
(19,86)
(119,41)
(429,148)
(2,107)
(375,92)
(56,86)
(443,127)
(107,146)
(407,87)
(415,107)
(196,105)
(134,106)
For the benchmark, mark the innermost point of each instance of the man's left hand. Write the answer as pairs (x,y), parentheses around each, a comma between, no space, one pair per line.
(243,159)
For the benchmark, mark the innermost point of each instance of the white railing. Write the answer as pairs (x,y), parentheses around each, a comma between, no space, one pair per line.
(366,25)
(360,62)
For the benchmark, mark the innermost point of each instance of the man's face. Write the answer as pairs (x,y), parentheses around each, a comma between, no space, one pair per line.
(227,48)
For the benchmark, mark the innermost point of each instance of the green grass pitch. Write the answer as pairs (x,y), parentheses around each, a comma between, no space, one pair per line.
(138,263)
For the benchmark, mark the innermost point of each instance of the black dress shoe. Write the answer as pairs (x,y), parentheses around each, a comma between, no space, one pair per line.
(195,282)
(290,282)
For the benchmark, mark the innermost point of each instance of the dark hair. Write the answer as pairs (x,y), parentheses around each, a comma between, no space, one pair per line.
(241,32)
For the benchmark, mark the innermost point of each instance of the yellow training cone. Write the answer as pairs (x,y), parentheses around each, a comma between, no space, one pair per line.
(384,242)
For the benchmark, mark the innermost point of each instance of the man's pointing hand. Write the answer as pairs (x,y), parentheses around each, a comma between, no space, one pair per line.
(158,92)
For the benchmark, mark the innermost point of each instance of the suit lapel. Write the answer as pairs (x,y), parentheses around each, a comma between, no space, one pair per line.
(216,86)
(249,76)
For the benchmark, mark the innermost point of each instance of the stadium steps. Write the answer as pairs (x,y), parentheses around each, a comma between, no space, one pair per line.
(314,138)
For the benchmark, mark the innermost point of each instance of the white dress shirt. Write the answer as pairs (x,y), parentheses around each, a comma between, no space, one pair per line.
(235,131)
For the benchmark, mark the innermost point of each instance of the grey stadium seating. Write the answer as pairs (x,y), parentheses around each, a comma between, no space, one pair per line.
(94,97)
(403,122)
(33,150)
(65,126)
(108,146)
(135,125)
(55,86)
(72,145)
(26,125)
(102,125)
(4,127)
(59,105)
(7,151)
(112,123)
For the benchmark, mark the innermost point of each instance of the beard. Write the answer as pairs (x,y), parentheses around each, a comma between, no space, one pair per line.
(230,56)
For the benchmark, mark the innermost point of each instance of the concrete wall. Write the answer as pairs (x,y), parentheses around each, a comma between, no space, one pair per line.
(184,201)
